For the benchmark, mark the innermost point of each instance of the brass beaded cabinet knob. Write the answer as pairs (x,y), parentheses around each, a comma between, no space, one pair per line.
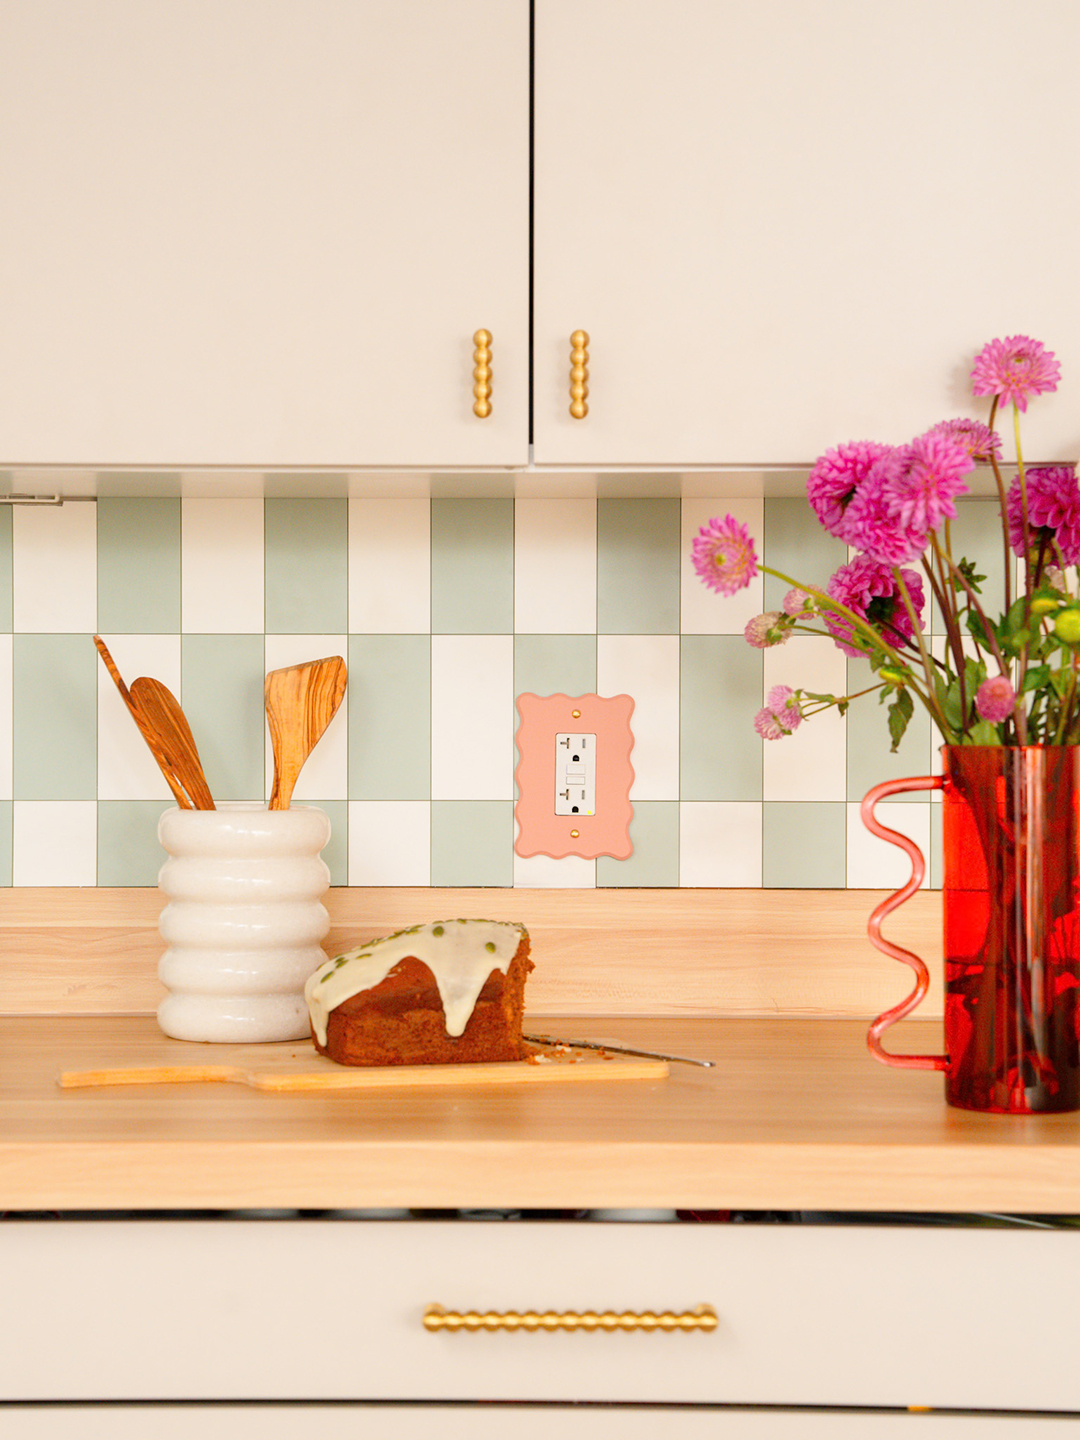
(482,374)
(579,374)
(531,1321)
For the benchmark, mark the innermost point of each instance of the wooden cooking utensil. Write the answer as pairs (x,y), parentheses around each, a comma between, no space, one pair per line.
(301,1075)
(147,729)
(162,710)
(301,700)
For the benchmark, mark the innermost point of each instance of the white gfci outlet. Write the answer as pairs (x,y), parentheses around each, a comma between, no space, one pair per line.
(575,774)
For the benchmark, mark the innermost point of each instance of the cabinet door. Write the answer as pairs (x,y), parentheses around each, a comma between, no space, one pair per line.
(262,232)
(793,224)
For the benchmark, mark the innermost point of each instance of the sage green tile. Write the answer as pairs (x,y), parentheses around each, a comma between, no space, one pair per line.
(555,664)
(654,833)
(128,850)
(336,852)
(6,847)
(795,542)
(222,680)
(637,567)
(389,717)
(306,483)
(472,842)
(720,692)
(976,535)
(54,681)
(5,569)
(804,845)
(869,758)
(472,567)
(138,560)
(307,566)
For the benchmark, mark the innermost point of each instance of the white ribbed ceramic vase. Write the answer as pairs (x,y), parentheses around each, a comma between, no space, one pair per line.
(243,920)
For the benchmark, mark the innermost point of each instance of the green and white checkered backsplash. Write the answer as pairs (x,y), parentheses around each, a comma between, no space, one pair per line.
(445,610)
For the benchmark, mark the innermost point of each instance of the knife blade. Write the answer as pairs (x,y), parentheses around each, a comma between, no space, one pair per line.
(618,1049)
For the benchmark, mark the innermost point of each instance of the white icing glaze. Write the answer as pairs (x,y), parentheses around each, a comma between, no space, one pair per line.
(461,954)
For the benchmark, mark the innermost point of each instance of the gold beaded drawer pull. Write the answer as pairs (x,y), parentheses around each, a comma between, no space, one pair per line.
(579,374)
(436,1318)
(482,374)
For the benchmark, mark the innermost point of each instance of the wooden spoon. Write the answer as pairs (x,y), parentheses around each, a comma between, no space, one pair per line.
(146,728)
(301,700)
(162,710)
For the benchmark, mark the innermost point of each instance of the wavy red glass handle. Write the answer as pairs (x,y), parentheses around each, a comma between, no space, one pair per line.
(887,906)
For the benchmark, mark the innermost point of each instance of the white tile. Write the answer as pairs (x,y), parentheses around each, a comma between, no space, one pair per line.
(54,568)
(389,842)
(542,872)
(646,667)
(325,775)
(126,768)
(472,717)
(54,842)
(704,612)
(222,562)
(6,738)
(719,843)
(389,567)
(875,864)
(811,763)
(555,567)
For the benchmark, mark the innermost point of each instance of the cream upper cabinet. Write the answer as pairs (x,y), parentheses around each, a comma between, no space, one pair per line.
(787,225)
(262,232)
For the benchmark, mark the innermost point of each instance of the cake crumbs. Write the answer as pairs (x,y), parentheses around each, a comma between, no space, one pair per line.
(556,1053)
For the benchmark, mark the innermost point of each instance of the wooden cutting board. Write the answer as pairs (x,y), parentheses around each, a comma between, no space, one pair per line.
(314,1072)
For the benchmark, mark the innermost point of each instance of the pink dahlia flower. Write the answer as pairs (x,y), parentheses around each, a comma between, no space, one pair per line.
(1015,369)
(798,602)
(1053,506)
(768,725)
(871,523)
(994,699)
(919,494)
(980,442)
(781,714)
(836,477)
(869,589)
(723,555)
(766,630)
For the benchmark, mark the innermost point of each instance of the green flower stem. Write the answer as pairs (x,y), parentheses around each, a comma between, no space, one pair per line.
(836,700)
(923,654)
(1000,481)
(928,698)
(952,624)
(1021,719)
(973,600)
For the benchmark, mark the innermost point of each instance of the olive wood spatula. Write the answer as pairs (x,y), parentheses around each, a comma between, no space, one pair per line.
(146,729)
(301,700)
(163,712)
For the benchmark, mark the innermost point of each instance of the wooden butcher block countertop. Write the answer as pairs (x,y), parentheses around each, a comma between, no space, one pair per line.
(794,1114)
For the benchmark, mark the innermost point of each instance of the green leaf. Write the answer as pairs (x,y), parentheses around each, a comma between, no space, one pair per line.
(977,628)
(974,579)
(900,712)
(950,704)
(1036,677)
(974,673)
(983,733)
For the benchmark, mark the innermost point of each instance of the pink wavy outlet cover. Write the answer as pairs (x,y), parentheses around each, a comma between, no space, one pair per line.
(540,830)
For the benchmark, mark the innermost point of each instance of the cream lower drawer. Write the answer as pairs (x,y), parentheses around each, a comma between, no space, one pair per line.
(333,1310)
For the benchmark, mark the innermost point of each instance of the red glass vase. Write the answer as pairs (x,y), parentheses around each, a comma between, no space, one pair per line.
(1012,927)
